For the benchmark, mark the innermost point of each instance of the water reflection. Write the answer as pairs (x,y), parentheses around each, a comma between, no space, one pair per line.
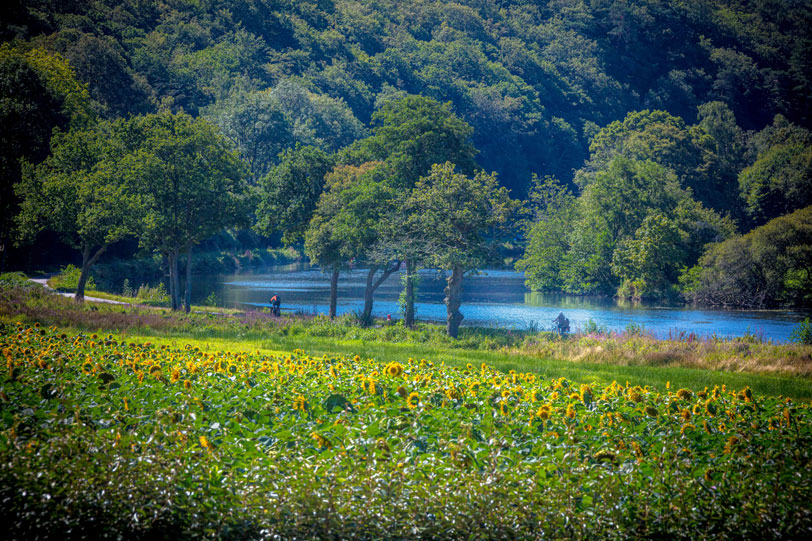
(492,298)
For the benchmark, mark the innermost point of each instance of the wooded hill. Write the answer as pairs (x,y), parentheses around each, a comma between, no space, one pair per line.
(706,102)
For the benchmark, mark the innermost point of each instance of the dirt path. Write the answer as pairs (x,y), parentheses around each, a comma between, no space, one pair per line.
(44,283)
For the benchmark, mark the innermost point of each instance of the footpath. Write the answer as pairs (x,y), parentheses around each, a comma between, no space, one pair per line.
(44,283)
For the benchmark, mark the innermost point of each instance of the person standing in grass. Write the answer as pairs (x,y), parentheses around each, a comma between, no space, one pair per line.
(275,304)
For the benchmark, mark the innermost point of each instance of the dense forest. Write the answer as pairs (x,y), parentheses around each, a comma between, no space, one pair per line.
(650,142)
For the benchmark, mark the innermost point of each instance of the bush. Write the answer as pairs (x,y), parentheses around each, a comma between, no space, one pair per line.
(590,327)
(68,280)
(803,332)
(152,295)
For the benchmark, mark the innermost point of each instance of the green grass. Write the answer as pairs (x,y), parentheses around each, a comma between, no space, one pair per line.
(654,376)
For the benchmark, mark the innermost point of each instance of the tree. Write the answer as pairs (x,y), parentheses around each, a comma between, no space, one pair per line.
(460,220)
(768,267)
(257,124)
(78,193)
(633,226)
(780,180)
(553,215)
(193,185)
(38,92)
(686,151)
(290,192)
(648,263)
(338,231)
(410,135)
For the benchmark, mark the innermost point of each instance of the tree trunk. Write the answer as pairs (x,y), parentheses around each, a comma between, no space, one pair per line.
(174,281)
(333,292)
(3,242)
(189,278)
(171,281)
(453,294)
(87,262)
(408,318)
(366,316)
(372,285)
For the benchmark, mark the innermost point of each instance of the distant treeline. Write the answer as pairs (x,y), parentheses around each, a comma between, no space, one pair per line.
(638,133)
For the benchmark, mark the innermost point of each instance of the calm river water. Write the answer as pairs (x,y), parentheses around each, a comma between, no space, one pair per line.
(493,299)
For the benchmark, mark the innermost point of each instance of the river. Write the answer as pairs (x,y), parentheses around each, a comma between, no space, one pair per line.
(496,298)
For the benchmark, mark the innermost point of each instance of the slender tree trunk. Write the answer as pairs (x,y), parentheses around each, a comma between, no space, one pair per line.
(3,243)
(372,285)
(453,294)
(188,278)
(333,292)
(408,318)
(87,261)
(174,281)
(366,316)
(171,281)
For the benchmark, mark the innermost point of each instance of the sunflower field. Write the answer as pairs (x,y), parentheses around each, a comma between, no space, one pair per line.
(100,438)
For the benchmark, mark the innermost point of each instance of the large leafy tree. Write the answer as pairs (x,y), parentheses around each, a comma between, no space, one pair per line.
(460,221)
(632,226)
(258,126)
(689,152)
(79,193)
(290,191)
(38,93)
(410,135)
(780,180)
(548,232)
(193,185)
(771,265)
(343,226)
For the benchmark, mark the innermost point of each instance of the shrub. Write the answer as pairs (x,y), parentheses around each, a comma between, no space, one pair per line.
(68,280)
(152,295)
(803,332)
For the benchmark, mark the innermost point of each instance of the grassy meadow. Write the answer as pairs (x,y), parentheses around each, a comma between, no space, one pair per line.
(137,422)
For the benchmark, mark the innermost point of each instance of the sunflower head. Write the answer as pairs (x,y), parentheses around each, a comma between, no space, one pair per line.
(394,369)
(413,400)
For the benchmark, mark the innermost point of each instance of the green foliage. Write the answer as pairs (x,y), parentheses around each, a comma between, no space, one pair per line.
(191,182)
(458,220)
(39,93)
(348,220)
(16,280)
(553,216)
(592,327)
(290,192)
(154,295)
(263,124)
(780,180)
(803,332)
(79,193)
(687,152)
(533,80)
(412,134)
(768,266)
(68,279)
(633,226)
(211,300)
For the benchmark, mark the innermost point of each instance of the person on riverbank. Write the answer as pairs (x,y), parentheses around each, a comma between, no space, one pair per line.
(275,304)
(562,324)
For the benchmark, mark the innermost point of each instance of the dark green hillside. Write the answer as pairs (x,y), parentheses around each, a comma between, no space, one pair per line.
(534,80)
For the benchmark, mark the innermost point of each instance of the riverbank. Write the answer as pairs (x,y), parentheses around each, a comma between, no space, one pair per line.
(773,369)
